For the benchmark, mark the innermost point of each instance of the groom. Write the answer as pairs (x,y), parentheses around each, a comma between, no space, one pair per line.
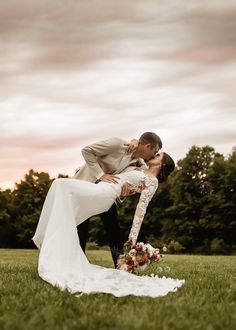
(103,160)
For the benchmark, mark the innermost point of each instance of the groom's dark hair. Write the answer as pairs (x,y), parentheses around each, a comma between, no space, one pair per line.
(151,138)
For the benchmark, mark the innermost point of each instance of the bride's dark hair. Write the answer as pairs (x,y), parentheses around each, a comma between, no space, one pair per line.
(167,166)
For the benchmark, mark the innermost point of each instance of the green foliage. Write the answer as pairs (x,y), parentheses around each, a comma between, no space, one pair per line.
(96,231)
(175,247)
(92,246)
(28,199)
(196,207)
(218,246)
(7,232)
(22,209)
(203,198)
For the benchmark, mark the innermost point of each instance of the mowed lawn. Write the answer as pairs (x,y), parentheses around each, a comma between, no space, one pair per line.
(206,301)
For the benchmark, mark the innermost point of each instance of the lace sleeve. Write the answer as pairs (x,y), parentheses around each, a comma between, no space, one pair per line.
(147,193)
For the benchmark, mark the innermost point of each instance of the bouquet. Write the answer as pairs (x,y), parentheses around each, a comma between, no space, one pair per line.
(138,257)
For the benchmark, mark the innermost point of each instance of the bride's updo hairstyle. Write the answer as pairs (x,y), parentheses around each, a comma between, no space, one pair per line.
(167,166)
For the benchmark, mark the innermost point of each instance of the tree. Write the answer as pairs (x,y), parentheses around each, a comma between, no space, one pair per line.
(189,191)
(7,231)
(218,216)
(194,211)
(28,199)
(229,206)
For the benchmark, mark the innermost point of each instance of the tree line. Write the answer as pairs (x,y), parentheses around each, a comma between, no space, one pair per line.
(194,212)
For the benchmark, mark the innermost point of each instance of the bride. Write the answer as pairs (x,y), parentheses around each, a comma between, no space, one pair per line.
(69,202)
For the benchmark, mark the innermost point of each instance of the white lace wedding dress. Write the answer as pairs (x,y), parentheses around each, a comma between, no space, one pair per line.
(62,261)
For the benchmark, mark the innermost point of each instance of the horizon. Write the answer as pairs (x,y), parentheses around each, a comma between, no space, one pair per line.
(11,185)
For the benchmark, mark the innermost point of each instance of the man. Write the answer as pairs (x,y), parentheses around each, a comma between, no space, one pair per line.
(105,159)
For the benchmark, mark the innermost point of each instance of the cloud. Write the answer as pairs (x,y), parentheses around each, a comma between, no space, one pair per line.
(76,72)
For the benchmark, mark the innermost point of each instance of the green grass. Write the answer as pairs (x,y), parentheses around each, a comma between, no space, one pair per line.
(206,301)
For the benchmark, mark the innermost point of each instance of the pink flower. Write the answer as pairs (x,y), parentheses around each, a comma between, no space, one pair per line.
(120,262)
(156,252)
(138,257)
(124,267)
(140,247)
(157,257)
(132,253)
(141,258)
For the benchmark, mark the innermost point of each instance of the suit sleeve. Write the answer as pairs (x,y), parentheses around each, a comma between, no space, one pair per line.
(147,193)
(93,152)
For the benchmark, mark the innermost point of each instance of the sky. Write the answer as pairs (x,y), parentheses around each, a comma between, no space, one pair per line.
(74,72)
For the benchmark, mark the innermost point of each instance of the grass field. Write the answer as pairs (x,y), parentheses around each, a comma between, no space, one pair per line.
(206,301)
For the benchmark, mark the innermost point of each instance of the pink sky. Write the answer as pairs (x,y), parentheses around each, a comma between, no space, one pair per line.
(75,72)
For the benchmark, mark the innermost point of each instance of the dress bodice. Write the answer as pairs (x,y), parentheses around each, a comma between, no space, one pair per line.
(134,177)
(144,183)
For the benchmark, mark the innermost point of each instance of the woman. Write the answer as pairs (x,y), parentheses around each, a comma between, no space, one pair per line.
(68,203)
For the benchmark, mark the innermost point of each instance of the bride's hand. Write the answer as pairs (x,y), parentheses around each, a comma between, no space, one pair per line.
(133,241)
(132,146)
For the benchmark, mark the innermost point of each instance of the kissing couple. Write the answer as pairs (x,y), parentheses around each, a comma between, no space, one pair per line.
(113,169)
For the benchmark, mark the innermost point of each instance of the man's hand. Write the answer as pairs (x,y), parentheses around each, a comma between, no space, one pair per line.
(132,146)
(109,178)
(127,190)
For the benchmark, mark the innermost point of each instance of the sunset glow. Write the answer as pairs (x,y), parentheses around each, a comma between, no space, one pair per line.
(76,72)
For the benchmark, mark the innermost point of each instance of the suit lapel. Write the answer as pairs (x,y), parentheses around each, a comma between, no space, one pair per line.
(125,162)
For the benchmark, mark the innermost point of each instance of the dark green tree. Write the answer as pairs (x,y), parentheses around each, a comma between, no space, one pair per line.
(229,206)
(218,217)
(189,191)
(7,230)
(28,199)
(194,211)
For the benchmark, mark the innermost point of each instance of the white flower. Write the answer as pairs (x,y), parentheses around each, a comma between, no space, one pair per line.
(150,248)
(164,248)
(132,253)
(143,246)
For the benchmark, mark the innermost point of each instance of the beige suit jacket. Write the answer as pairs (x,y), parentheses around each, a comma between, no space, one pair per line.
(104,157)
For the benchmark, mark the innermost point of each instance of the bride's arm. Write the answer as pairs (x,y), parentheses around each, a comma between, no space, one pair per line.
(147,193)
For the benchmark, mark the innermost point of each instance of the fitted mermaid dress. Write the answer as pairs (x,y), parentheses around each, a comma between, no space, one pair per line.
(63,263)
